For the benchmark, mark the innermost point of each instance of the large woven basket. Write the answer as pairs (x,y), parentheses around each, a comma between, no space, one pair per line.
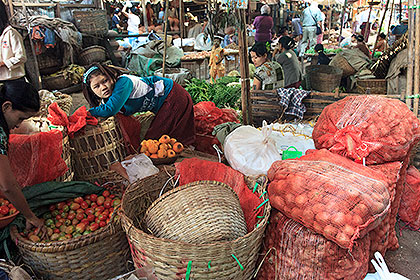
(210,211)
(340,62)
(64,101)
(324,78)
(100,255)
(146,120)
(56,82)
(92,54)
(265,106)
(66,155)
(92,22)
(371,86)
(172,259)
(95,149)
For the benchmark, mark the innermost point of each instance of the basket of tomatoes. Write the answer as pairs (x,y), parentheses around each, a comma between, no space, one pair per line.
(84,239)
(7,212)
(166,150)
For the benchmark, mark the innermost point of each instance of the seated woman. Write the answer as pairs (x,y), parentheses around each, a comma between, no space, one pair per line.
(269,74)
(323,59)
(289,62)
(382,45)
(109,92)
(361,45)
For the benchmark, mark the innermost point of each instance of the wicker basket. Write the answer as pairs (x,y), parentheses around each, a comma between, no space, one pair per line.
(91,22)
(371,86)
(64,101)
(48,64)
(340,62)
(92,54)
(56,82)
(146,120)
(66,155)
(265,106)
(100,255)
(210,211)
(170,258)
(95,148)
(324,78)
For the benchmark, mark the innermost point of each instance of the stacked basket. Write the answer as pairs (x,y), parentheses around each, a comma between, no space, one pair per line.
(172,259)
(64,101)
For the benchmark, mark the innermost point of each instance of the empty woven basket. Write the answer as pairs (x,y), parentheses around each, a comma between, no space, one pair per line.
(198,213)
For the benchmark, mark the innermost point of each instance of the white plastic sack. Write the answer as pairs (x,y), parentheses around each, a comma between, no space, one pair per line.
(139,167)
(296,135)
(251,151)
(382,272)
(201,44)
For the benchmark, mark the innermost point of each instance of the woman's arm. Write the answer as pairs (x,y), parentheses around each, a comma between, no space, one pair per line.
(122,90)
(256,85)
(124,11)
(10,188)
(19,56)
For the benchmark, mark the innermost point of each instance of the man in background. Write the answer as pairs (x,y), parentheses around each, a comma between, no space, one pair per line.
(311,17)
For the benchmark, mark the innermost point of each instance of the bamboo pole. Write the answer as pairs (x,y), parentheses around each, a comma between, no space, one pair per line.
(367,27)
(390,21)
(143,7)
(417,62)
(380,25)
(342,20)
(181,20)
(165,37)
(244,68)
(410,56)
(12,13)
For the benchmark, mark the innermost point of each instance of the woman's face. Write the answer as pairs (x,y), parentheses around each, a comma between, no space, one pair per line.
(258,60)
(101,86)
(14,117)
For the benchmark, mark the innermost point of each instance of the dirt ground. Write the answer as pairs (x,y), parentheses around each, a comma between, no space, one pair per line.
(405,260)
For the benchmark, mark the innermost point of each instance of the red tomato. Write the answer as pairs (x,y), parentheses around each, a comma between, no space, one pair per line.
(58,217)
(4,210)
(102,223)
(68,236)
(75,222)
(97,220)
(112,196)
(93,205)
(84,205)
(111,210)
(52,207)
(80,216)
(93,226)
(71,216)
(88,201)
(108,203)
(90,218)
(106,212)
(89,211)
(86,196)
(62,220)
(60,205)
(74,206)
(100,200)
(106,193)
(93,197)
(12,210)
(85,221)
(80,228)
(58,224)
(102,217)
(78,211)
(78,199)
(100,209)
(56,230)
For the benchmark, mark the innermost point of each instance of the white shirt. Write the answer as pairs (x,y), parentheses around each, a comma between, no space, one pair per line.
(133,23)
(12,53)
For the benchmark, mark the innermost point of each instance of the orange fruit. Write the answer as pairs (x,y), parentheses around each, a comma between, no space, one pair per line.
(172,141)
(171,153)
(162,154)
(164,139)
(163,146)
(154,156)
(143,149)
(178,147)
(147,153)
(152,148)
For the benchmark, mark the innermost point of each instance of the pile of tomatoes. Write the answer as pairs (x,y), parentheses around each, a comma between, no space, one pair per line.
(6,208)
(76,217)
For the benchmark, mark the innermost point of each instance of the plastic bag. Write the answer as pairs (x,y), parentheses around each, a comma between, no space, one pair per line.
(139,167)
(382,271)
(296,135)
(251,151)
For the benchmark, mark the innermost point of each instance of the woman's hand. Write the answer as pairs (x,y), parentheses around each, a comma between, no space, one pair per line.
(38,223)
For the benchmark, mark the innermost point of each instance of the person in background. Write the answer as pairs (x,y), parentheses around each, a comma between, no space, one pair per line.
(173,17)
(289,62)
(263,25)
(115,21)
(230,36)
(269,74)
(12,50)
(19,100)
(311,17)
(109,92)
(217,69)
(361,45)
(161,16)
(283,32)
(400,29)
(319,37)
(149,14)
(323,59)
(382,45)
(133,23)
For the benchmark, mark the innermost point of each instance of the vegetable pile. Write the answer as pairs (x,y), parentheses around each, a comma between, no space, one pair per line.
(224,92)
(76,217)
(327,51)
(6,208)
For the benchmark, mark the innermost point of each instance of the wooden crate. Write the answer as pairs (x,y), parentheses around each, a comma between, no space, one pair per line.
(265,106)
(371,86)
(199,68)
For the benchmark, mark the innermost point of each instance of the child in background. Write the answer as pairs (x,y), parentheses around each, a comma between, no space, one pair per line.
(217,69)
(323,59)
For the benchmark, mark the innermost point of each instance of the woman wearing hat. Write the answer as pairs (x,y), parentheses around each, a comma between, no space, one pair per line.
(217,69)
(263,25)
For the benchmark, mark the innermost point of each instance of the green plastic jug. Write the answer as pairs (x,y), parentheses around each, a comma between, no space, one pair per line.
(291,154)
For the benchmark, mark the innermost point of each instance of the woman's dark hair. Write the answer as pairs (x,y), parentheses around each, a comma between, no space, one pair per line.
(287,42)
(382,35)
(319,48)
(4,19)
(359,38)
(23,96)
(261,48)
(110,72)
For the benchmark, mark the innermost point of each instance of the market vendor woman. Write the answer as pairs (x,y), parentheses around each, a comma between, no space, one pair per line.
(110,92)
(19,100)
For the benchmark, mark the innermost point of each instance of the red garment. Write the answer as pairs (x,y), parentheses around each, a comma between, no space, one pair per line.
(73,123)
(175,118)
(130,129)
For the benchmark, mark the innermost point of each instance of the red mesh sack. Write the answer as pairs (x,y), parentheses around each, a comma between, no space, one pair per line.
(194,169)
(130,129)
(37,158)
(410,201)
(376,128)
(207,116)
(330,194)
(204,143)
(294,252)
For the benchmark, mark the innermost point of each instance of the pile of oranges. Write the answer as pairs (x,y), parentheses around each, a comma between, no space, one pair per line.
(165,147)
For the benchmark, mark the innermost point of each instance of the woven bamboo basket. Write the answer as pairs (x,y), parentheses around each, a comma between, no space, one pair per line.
(340,62)
(371,86)
(56,82)
(210,211)
(100,255)
(48,63)
(95,149)
(169,258)
(324,78)
(265,106)
(91,22)
(64,101)
(146,120)
(92,54)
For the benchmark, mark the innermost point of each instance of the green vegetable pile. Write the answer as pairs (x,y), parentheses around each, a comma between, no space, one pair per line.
(222,93)
(327,51)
